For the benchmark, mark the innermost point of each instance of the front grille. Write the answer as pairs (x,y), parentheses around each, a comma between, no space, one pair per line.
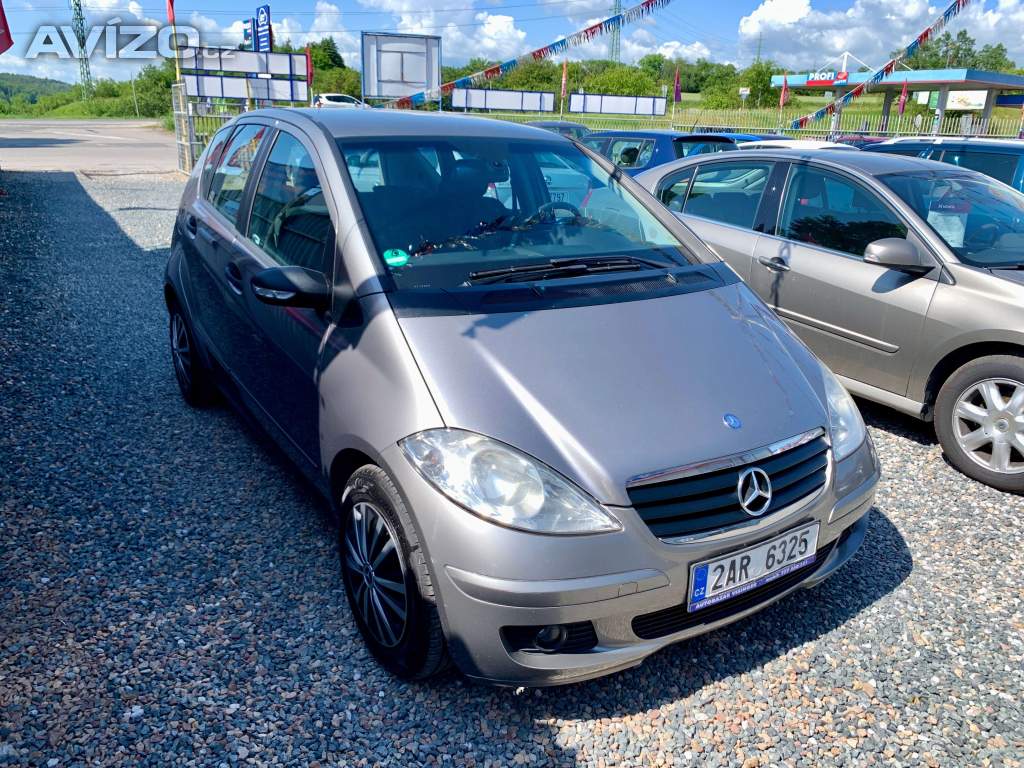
(650,626)
(580,638)
(709,501)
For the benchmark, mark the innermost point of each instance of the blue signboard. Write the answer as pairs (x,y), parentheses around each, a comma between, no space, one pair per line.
(263,28)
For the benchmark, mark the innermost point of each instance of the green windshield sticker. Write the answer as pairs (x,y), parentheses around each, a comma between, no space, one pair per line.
(396,257)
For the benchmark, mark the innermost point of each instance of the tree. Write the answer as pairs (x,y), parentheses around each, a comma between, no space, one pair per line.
(621,80)
(758,78)
(325,55)
(994,58)
(655,66)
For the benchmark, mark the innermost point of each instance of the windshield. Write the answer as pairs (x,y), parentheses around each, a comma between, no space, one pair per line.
(981,220)
(442,211)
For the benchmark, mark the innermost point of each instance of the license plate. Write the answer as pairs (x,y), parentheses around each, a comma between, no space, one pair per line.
(726,577)
(557,197)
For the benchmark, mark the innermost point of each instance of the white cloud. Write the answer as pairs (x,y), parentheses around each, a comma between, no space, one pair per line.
(795,34)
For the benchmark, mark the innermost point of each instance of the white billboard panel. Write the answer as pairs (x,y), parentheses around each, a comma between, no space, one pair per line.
(399,65)
(221,87)
(244,62)
(506,101)
(606,104)
(966,101)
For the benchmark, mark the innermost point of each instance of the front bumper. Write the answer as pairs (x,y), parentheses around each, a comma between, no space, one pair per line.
(489,578)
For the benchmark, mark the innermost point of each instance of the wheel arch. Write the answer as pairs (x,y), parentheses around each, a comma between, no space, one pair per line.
(345,462)
(945,367)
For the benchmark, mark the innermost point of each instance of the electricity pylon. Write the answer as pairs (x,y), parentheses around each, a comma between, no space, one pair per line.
(78,26)
(614,45)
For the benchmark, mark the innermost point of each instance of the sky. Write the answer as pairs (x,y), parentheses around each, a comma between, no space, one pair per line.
(801,35)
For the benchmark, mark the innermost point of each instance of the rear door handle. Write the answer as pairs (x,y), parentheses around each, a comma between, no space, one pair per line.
(774,263)
(234,276)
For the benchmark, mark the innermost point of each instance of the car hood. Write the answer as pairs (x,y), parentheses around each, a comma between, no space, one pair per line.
(606,392)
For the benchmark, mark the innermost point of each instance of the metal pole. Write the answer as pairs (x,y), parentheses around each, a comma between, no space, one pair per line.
(134,97)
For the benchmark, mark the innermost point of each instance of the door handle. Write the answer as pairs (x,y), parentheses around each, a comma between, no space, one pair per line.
(774,263)
(191,225)
(234,276)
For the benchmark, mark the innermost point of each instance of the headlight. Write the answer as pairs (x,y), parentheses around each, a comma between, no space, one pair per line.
(500,484)
(844,421)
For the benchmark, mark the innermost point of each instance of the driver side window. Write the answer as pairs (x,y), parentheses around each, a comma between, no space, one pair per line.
(290,221)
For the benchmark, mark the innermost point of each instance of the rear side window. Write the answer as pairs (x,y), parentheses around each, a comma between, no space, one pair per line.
(631,153)
(290,220)
(674,189)
(998,165)
(830,211)
(728,192)
(228,183)
(212,158)
(906,151)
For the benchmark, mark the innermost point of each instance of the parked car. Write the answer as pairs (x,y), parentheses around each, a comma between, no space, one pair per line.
(859,140)
(562,127)
(559,437)
(905,276)
(637,151)
(342,100)
(787,143)
(1002,159)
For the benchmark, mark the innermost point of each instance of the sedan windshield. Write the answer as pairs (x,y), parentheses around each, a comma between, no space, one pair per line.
(449,212)
(981,220)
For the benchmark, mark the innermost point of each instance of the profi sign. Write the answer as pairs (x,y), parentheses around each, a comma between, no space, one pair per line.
(827,78)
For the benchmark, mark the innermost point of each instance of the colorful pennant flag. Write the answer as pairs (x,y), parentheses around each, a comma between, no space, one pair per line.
(6,39)
(629,16)
(170,12)
(879,74)
(903,99)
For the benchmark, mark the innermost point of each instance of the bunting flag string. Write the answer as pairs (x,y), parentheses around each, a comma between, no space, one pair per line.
(887,69)
(629,16)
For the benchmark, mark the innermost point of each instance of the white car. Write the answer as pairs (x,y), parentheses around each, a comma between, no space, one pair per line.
(793,144)
(337,100)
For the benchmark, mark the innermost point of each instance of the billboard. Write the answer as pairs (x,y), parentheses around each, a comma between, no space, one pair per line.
(263,42)
(397,65)
(966,101)
(608,104)
(509,101)
(232,74)
(827,79)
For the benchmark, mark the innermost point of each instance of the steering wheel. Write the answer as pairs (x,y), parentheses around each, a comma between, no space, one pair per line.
(547,211)
(984,236)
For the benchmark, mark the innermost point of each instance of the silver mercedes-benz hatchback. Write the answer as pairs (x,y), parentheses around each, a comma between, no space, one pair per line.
(560,433)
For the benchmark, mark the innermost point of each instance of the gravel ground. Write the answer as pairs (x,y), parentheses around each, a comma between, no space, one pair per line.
(169,592)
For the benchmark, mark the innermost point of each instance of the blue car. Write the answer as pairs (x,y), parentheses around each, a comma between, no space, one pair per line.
(1002,159)
(636,151)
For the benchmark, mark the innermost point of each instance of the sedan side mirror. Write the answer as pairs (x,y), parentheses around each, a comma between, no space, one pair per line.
(899,254)
(292,287)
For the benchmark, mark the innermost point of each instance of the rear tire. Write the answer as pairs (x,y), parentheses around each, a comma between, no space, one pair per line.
(387,578)
(979,420)
(195,380)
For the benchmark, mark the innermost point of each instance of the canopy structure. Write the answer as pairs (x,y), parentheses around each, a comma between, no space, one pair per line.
(944,81)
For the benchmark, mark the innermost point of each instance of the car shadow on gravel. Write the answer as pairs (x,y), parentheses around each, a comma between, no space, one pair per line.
(902,424)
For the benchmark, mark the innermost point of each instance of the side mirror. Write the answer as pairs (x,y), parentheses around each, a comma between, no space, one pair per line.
(899,254)
(292,287)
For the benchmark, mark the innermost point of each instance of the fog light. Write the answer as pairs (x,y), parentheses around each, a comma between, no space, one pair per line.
(551,637)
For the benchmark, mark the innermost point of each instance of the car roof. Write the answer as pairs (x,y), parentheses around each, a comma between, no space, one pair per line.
(363,123)
(978,141)
(557,123)
(870,163)
(650,133)
(789,144)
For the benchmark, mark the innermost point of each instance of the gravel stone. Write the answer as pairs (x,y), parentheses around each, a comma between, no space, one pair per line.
(170,595)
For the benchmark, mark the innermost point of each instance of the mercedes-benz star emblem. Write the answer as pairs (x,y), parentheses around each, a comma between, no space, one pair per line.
(754,490)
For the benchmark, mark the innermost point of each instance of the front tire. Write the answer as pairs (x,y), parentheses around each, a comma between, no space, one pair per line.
(387,578)
(979,420)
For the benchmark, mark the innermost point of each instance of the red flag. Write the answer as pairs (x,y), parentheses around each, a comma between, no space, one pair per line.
(903,99)
(565,76)
(309,68)
(170,12)
(6,40)
(677,88)
(784,96)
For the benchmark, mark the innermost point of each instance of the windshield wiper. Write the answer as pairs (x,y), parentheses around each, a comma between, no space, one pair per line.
(566,267)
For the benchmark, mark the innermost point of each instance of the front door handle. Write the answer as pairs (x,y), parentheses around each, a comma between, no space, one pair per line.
(191,225)
(234,276)
(774,263)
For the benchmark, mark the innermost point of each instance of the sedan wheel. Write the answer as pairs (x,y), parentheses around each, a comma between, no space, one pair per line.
(376,573)
(181,351)
(988,422)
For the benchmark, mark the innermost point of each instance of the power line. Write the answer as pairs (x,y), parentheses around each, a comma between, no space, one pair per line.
(382,12)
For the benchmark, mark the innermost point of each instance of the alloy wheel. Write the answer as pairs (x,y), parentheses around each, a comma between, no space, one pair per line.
(181,350)
(988,424)
(376,574)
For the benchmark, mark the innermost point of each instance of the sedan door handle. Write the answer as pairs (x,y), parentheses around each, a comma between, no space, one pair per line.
(774,263)
(234,276)
(191,225)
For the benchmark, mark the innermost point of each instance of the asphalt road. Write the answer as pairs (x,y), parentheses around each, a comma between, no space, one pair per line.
(169,591)
(103,146)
